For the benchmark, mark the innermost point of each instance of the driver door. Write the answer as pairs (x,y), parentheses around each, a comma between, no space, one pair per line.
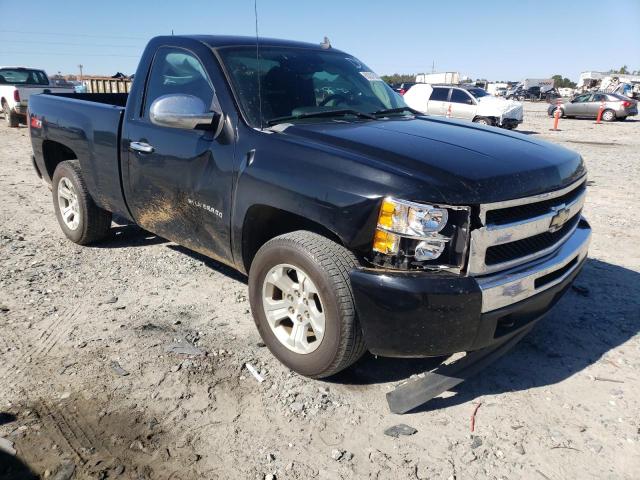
(579,105)
(463,106)
(179,180)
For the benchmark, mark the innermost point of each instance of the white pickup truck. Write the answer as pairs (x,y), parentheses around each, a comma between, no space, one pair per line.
(466,103)
(17,84)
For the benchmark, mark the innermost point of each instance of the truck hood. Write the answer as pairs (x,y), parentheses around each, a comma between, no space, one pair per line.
(451,161)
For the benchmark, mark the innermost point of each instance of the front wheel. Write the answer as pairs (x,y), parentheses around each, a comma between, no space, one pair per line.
(81,220)
(483,121)
(302,303)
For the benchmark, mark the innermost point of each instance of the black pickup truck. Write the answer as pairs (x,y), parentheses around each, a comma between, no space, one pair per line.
(361,224)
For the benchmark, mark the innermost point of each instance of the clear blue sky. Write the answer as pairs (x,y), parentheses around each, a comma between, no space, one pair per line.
(498,40)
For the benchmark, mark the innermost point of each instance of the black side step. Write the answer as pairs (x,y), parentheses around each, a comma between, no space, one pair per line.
(419,391)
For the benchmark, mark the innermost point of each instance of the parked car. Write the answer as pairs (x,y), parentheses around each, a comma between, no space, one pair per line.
(466,103)
(587,105)
(17,84)
(361,224)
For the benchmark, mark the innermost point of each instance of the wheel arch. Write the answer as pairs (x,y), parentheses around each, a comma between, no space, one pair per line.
(264,222)
(53,153)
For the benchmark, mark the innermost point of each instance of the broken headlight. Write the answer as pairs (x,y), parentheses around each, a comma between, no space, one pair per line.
(414,235)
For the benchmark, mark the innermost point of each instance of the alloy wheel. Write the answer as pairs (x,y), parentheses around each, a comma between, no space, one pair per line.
(293,308)
(68,203)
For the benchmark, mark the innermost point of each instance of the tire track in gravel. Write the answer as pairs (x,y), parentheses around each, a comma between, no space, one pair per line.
(48,338)
(67,430)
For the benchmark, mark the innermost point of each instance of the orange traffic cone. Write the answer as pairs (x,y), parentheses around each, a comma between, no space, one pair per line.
(556,118)
(600,110)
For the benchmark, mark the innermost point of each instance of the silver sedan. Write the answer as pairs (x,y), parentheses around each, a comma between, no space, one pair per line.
(616,107)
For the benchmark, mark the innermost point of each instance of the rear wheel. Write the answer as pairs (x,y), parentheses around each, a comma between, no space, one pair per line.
(302,303)
(608,115)
(10,116)
(81,220)
(557,109)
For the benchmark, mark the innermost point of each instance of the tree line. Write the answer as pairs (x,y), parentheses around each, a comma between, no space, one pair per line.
(560,81)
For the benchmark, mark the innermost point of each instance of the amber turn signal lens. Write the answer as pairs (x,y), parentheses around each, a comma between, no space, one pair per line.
(386,242)
(385,218)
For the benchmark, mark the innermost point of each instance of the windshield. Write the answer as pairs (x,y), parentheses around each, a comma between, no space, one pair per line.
(301,82)
(477,92)
(23,76)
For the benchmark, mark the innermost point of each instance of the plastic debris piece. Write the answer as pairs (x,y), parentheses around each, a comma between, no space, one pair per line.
(6,446)
(400,429)
(254,372)
(118,370)
(184,348)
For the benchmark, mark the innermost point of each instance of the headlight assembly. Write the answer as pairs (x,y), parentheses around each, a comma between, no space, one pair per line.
(414,235)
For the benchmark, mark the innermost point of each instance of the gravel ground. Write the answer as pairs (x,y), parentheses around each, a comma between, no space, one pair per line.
(92,383)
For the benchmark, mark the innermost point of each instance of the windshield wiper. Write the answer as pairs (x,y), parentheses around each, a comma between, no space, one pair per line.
(323,113)
(387,111)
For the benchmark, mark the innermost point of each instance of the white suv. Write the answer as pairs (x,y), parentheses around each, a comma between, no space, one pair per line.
(467,103)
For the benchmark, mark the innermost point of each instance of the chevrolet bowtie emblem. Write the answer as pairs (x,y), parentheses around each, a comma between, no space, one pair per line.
(563,213)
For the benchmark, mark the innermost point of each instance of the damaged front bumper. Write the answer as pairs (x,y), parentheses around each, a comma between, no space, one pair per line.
(417,314)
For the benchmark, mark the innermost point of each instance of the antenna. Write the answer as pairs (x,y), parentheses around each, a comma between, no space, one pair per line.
(255,11)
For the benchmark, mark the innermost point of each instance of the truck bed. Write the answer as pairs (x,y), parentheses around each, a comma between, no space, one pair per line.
(89,125)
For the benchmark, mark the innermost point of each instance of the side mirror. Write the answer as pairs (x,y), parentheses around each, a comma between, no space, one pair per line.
(181,111)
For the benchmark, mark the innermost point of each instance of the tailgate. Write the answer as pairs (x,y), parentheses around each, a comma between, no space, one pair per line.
(26,91)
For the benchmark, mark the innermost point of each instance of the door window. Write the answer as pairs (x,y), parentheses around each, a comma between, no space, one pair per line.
(177,71)
(439,94)
(582,98)
(599,97)
(460,96)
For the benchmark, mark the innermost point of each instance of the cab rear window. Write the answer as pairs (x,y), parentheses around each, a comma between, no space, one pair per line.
(23,76)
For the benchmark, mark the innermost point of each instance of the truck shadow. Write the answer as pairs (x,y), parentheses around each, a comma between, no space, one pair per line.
(599,313)
(11,467)
(124,234)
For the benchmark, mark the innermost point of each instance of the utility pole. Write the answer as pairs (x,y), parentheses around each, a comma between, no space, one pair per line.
(80,67)
(433,66)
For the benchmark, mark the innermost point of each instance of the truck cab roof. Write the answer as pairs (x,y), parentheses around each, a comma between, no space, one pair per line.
(220,41)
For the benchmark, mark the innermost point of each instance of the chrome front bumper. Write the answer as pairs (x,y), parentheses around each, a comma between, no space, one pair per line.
(519,283)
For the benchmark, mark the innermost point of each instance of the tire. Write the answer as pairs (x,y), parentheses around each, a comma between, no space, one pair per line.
(553,112)
(327,265)
(10,116)
(521,98)
(87,223)
(608,115)
(483,121)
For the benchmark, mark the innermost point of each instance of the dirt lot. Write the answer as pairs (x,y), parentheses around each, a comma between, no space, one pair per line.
(88,385)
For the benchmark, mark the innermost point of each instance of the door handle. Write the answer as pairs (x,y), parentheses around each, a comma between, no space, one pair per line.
(141,147)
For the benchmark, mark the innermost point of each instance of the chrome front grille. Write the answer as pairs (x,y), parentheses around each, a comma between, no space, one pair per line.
(518,231)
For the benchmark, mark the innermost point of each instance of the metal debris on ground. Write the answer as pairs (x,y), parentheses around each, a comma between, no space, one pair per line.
(184,348)
(254,372)
(118,370)
(400,429)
